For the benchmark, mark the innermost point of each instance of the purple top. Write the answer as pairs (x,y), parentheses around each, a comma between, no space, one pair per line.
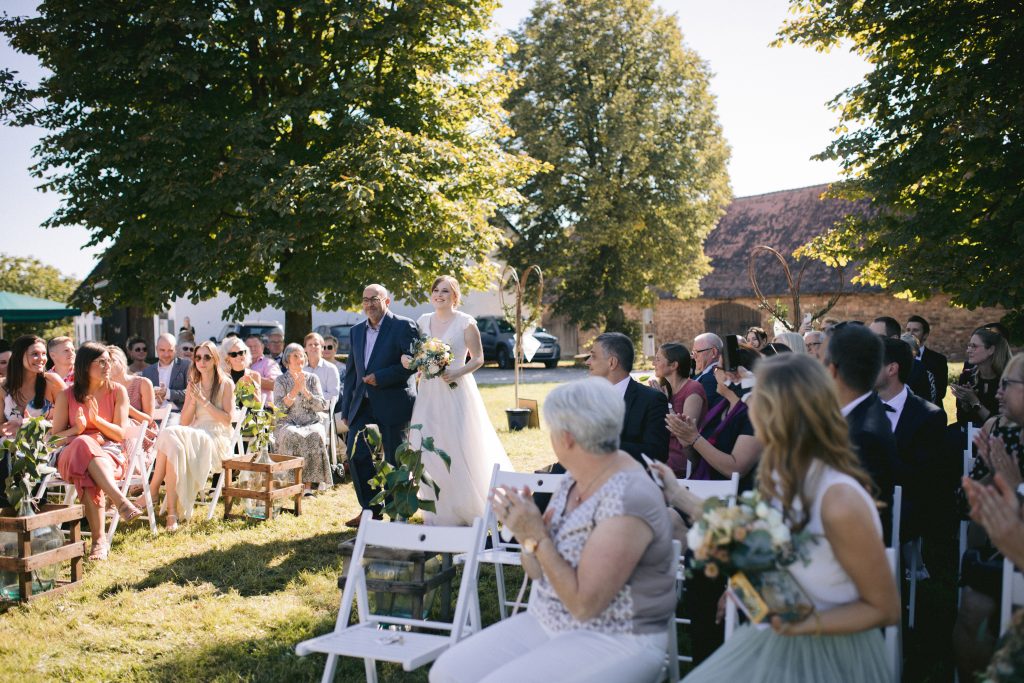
(676,451)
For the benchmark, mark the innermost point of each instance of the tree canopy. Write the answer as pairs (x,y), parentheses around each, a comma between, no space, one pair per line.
(933,138)
(25,275)
(610,97)
(286,153)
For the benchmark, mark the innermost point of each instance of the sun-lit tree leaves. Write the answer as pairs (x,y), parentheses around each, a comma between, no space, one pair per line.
(286,153)
(934,138)
(620,108)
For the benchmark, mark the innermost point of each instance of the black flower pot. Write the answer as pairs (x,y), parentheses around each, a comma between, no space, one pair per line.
(518,418)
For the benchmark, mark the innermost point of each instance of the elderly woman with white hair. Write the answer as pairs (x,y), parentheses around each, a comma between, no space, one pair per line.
(301,431)
(235,361)
(601,561)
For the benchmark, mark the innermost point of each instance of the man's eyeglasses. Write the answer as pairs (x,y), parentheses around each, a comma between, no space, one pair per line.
(371,300)
(329,347)
(696,351)
(812,345)
(1004,384)
(236,354)
(203,357)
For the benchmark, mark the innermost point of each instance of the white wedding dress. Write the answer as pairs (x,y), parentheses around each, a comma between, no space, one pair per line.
(458,421)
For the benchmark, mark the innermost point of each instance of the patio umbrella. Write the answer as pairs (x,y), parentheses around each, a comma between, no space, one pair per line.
(21,308)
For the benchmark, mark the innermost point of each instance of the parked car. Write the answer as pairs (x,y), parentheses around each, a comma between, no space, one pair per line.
(497,337)
(243,330)
(342,333)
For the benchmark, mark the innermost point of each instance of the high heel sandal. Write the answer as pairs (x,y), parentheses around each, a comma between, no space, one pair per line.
(128,511)
(171,523)
(99,550)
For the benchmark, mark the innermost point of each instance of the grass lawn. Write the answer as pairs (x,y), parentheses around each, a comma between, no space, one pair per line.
(218,601)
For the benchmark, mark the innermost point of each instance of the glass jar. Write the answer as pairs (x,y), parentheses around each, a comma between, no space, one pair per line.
(257,481)
(42,540)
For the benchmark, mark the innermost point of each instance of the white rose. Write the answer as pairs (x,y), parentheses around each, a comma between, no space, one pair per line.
(761,511)
(774,517)
(433,369)
(694,537)
(780,535)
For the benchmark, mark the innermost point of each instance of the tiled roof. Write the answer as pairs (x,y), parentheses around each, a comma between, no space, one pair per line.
(783,220)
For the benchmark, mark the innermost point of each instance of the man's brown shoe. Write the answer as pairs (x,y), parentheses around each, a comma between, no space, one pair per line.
(354,522)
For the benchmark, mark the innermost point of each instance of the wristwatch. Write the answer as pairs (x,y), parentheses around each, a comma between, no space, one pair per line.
(530,545)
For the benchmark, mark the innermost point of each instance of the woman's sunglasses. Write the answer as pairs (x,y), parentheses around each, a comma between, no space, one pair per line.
(203,357)
(139,349)
(188,349)
(236,354)
(329,347)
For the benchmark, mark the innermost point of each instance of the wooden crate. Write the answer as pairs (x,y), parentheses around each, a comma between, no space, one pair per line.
(25,563)
(281,463)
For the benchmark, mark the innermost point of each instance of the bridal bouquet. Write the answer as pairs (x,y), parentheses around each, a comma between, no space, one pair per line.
(431,356)
(751,544)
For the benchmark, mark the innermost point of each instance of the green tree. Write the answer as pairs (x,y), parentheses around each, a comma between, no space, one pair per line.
(611,98)
(25,275)
(934,138)
(286,153)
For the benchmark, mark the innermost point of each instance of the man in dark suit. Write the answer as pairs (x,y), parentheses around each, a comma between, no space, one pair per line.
(376,388)
(919,428)
(933,360)
(643,430)
(169,374)
(854,358)
(707,353)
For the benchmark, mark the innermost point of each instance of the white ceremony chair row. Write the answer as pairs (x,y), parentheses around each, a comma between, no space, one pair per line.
(1013,594)
(968,465)
(723,488)
(236,446)
(894,634)
(369,638)
(504,553)
(140,465)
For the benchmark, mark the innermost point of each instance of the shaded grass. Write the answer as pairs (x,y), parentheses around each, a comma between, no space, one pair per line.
(220,600)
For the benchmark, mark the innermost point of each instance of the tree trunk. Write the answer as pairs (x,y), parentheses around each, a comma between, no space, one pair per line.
(297,324)
(615,320)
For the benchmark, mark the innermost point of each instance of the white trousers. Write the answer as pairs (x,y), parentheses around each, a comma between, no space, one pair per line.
(520,649)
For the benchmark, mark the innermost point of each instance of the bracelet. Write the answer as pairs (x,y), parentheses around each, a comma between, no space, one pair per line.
(694,442)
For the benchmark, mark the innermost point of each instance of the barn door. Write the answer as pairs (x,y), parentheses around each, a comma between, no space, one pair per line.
(729,318)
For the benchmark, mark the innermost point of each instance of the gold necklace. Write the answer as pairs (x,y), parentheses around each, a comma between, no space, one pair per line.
(578,498)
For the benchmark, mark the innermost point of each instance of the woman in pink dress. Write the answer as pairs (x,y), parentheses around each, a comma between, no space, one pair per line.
(685,396)
(92,415)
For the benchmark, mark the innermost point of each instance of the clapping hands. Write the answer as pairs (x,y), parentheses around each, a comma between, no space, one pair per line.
(993,452)
(997,509)
(683,427)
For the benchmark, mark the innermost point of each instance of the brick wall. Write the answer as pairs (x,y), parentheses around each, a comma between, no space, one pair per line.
(951,327)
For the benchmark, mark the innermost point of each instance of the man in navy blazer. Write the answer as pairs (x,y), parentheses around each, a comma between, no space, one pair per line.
(376,388)
(920,430)
(170,372)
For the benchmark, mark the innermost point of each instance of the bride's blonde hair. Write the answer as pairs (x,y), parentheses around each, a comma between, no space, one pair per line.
(795,412)
(451,282)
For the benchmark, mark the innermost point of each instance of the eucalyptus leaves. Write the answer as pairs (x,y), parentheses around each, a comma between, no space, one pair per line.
(259,420)
(30,452)
(400,485)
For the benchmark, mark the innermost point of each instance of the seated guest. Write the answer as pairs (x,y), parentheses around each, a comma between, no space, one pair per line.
(643,430)
(756,337)
(325,371)
(685,396)
(854,359)
(302,432)
(723,442)
(186,345)
(5,357)
(707,352)
(919,428)
(268,369)
(793,341)
(885,326)
(138,351)
(601,561)
(811,475)
(921,381)
(27,391)
(1000,447)
(235,355)
(141,398)
(62,358)
(275,346)
(169,374)
(188,451)
(934,361)
(988,353)
(91,416)
(814,342)
(330,350)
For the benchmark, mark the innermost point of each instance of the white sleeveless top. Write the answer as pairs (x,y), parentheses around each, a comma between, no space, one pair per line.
(823,578)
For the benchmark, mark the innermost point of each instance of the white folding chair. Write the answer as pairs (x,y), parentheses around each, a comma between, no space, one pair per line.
(1013,594)
(136,473)
(368,638)
(897,516)
(968,465)
(894,633)
(672,662)
(502,553)
(724,488)
(237,418)
(332,433)
(914,549)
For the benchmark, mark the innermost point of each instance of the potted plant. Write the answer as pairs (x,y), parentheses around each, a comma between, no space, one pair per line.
(30,450)
(400,484)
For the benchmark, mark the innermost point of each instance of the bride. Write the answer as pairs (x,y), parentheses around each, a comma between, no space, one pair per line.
(456,417)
